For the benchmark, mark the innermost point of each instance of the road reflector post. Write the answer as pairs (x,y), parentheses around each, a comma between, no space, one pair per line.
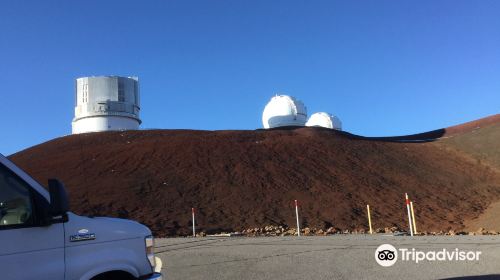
(297,216)
(409,214)
(369,218)
(413,218)
(194,228)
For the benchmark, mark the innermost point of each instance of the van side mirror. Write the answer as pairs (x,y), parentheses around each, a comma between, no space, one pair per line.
(59,204)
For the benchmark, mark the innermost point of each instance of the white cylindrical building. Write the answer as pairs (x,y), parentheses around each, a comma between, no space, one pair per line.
(284,110)
(106,103)
(324,119)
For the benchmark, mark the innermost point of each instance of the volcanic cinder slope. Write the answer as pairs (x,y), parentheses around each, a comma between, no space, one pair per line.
(243,179)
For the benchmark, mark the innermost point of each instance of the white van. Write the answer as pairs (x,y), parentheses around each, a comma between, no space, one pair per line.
(41,239)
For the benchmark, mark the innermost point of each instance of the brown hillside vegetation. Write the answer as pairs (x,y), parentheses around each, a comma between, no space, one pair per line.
(242,179)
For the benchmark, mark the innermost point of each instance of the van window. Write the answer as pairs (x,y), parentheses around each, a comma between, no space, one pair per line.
(15,200)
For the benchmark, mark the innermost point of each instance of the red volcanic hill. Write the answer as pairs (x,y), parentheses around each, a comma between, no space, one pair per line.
(480,139)
(243,179)
(474,125)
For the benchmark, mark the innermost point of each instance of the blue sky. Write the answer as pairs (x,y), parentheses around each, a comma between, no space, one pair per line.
(384,67)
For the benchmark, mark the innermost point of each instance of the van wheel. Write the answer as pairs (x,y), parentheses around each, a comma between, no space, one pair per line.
(114,275)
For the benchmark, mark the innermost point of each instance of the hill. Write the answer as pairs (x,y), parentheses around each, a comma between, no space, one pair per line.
(243,179)
(479,139)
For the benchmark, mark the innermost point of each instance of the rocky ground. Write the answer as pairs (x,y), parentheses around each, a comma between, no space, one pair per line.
(239,180)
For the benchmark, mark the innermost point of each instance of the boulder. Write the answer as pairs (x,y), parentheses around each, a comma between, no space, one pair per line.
(306,231)
(331,230)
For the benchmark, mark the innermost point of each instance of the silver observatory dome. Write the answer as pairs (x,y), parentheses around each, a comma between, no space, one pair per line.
(106,103)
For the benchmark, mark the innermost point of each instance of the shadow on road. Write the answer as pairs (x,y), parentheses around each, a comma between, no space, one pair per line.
(477,277)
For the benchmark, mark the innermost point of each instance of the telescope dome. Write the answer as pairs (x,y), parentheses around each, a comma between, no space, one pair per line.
(323,119)
(106,103)
(284,110)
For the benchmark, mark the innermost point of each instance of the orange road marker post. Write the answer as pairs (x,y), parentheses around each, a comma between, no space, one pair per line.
(369,218)
(409,214)
(413,218)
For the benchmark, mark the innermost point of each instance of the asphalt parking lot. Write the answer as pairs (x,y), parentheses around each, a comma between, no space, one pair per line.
(329,257)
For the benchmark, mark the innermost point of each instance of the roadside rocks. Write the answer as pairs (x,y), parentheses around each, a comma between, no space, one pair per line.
(482,231)
(391,230)
(201,234)
(331,230)
(283,230)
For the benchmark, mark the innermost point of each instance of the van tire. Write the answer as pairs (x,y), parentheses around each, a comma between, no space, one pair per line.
(114,275)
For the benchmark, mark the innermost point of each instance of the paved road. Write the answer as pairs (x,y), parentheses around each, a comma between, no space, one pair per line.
(329,257)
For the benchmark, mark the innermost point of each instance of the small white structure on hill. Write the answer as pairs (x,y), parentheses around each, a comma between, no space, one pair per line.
(284,110)
(323,119)
(106,103)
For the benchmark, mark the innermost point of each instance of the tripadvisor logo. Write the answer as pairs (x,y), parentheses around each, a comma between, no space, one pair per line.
(387,255)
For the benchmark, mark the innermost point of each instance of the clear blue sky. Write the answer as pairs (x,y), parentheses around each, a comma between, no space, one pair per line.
(384,67)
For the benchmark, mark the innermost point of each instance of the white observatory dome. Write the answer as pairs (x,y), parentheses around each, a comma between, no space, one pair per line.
(284,110)
(106,103)
(323,119)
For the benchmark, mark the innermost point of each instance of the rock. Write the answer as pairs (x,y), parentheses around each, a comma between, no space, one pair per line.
(331,230)
(391,229)
(481,231)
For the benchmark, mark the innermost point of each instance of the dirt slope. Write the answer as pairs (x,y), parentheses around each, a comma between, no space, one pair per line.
(472,126)
(241,179)
(480,142)
(479,139)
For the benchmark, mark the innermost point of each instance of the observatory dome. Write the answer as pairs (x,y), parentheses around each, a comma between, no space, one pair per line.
(284,110)
(323,119)
(106,103)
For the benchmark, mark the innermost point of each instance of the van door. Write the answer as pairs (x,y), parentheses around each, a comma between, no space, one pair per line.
(27,250)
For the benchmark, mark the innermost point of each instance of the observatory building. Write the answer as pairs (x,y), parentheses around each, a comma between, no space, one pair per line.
(106,103)
(323,119)
(284,110)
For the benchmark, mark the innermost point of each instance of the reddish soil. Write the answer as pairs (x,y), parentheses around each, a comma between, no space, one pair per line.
(243,179)
(473,125)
